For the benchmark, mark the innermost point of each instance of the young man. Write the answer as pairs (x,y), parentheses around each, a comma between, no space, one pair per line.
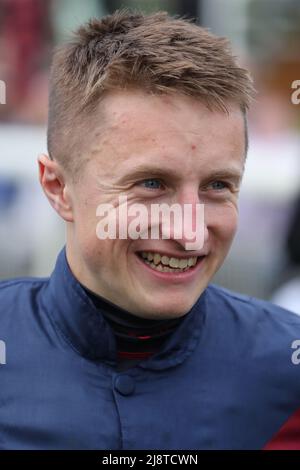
(126,346)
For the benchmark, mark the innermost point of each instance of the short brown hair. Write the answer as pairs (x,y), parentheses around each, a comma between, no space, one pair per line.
(156,53)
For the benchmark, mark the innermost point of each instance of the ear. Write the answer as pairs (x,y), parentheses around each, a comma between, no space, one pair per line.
(54,185)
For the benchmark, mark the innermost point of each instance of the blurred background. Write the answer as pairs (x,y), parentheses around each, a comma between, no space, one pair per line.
(265,258)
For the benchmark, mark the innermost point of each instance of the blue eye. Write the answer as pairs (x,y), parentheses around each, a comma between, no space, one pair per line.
(151,183)
(219,185)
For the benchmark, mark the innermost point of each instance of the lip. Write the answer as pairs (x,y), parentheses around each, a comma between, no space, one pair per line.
(185,276)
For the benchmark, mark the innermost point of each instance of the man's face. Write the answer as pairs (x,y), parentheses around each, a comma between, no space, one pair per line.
(154,150)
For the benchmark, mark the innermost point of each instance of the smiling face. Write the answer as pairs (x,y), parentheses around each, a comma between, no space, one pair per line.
(157,149)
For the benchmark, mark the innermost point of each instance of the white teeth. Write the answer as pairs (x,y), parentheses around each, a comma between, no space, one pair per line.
(192,261)
(166,269)
(157,258)
(174,263)
(165,264)
(183,263)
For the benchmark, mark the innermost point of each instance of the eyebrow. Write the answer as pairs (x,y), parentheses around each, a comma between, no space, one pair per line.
(148,171)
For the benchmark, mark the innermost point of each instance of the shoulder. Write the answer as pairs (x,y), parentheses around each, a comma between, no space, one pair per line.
(250,309)
(10,286)
(19,294)
(263,334)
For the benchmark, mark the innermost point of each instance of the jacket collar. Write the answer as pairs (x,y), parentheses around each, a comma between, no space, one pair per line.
(84,327)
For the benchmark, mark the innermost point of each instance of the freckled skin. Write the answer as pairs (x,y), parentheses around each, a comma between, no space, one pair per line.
(173,132)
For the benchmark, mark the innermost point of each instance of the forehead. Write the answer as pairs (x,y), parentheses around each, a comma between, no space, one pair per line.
(141,127)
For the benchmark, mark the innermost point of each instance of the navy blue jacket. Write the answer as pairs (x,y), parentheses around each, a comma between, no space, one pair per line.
(223,380)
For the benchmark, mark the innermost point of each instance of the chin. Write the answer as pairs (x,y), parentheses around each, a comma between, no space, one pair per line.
(168,310)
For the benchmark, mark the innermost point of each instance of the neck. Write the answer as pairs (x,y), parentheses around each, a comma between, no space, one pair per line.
(137,338)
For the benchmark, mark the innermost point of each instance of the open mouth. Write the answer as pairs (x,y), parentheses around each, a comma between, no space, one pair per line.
(166,264)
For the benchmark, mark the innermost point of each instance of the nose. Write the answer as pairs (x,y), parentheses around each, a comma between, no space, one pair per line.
(187,226)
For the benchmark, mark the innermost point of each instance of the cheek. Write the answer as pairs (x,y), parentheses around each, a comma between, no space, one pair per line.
(86,230)
(85,235)
(222,223)
(107,256)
